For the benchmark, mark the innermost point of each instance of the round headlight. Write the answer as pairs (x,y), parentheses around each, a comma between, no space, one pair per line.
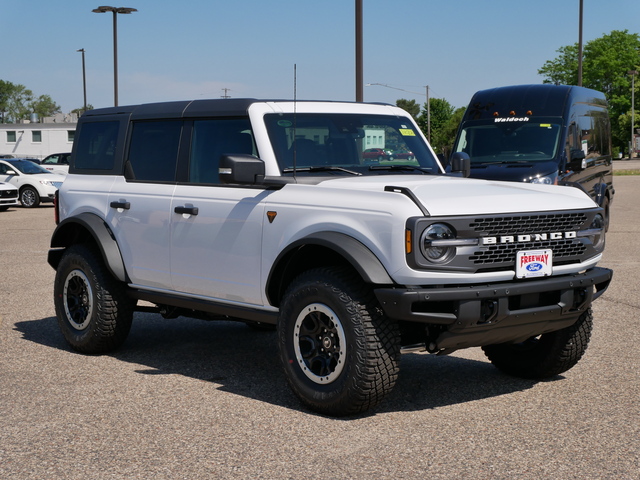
(434,243)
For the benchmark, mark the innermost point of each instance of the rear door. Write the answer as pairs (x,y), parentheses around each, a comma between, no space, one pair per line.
(139,207)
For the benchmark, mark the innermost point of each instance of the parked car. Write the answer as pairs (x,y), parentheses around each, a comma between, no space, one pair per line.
(8,196)
(403,155)
(57,163)
(377,154)
(30,159)
(35,184)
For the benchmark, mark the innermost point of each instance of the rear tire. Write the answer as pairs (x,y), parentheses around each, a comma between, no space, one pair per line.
(93,310)
(546,355)
(339,352)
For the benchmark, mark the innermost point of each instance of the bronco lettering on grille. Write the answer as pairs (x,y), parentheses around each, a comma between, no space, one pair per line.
(534,237)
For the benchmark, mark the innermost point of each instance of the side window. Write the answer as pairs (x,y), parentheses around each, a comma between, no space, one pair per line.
(97,146)
(153,151)
(213,138)
(53,159)
(601,136)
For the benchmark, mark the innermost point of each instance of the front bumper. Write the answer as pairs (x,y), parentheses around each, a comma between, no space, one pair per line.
(486,314)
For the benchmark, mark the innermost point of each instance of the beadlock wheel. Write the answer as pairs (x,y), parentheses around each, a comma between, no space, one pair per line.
(77,298)
(319,343)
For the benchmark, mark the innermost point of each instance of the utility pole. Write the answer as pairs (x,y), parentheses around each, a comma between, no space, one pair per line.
(84,82)
(359,49)
(580,47)
(226,91)
(633,74)
(428,116)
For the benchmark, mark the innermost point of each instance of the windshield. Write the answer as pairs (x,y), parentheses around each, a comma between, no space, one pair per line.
(348,144)
(505,142)
(27,167)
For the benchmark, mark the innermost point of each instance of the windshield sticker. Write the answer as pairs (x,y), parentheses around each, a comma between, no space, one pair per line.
(511,119)
(545,125)
(407,132)
(284,123)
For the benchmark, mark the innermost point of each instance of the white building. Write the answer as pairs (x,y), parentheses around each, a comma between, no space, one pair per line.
(37,140)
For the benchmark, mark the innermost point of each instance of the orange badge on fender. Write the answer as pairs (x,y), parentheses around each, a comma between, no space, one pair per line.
(271,216)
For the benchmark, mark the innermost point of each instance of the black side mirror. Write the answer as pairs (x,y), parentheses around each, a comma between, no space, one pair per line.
(461,163)
(578,160)
(242,169)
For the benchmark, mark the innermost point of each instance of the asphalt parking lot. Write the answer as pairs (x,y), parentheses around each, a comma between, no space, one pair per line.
(188,399)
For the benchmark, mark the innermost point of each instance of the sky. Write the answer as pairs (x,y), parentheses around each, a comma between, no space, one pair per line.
(191,49)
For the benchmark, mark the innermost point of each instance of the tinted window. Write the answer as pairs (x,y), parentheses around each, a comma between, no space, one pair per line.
(153,152)
(213,138)
(536,140)
(96,146)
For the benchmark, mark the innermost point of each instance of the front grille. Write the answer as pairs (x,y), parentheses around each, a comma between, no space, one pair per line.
(9,193)
(557,222)
(564,251)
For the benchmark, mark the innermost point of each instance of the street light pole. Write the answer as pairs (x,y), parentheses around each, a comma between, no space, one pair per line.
(633,74)
(359,54)
(115,11)
(84,82)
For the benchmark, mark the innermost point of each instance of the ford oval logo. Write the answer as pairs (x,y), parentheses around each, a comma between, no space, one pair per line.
(534,267)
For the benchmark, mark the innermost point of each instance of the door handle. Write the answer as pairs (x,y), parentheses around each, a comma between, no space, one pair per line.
(186,210)
(123,205)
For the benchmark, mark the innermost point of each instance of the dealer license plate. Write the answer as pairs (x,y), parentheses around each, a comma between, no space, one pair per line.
(534,263)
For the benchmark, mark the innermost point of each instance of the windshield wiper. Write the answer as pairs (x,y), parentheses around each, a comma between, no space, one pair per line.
(320,168)
(399,167)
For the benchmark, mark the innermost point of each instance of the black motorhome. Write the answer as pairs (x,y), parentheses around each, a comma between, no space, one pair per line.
(551,134)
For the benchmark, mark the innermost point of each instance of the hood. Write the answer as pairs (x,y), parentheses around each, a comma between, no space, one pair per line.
(52,177)
(450,196)
(514,171)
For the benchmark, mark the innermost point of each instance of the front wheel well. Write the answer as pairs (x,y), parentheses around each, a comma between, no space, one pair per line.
(298,260)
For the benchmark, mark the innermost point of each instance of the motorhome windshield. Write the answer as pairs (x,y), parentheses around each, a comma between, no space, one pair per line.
(343,144)
(492,141)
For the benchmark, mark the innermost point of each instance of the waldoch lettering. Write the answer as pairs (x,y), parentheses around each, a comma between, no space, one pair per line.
(534,258)
(511,119)
(534,237)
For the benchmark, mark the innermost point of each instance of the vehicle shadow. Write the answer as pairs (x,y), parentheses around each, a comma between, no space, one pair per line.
(244,361)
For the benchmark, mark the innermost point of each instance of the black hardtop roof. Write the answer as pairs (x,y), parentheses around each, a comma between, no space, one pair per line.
(221,107)
(543,100)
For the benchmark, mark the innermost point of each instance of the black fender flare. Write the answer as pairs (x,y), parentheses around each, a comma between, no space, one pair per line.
(71,229)
(358,255)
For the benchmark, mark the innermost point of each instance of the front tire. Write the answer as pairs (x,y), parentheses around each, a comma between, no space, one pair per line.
(339,352)
(29,197)
(546,355)
(93,310)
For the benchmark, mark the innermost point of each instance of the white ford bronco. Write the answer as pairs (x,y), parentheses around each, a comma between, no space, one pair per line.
(269,212)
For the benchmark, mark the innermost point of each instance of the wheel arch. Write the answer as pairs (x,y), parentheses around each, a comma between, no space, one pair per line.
(88,228)
(322,249)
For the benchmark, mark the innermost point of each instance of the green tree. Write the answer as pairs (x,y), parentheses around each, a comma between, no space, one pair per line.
(606,63)
(81,110)
(410,106)
(6,89)
(440,118)
(44,106)
(18,103)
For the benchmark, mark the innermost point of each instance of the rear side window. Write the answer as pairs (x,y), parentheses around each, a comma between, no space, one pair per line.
(97,146)
(153,151)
